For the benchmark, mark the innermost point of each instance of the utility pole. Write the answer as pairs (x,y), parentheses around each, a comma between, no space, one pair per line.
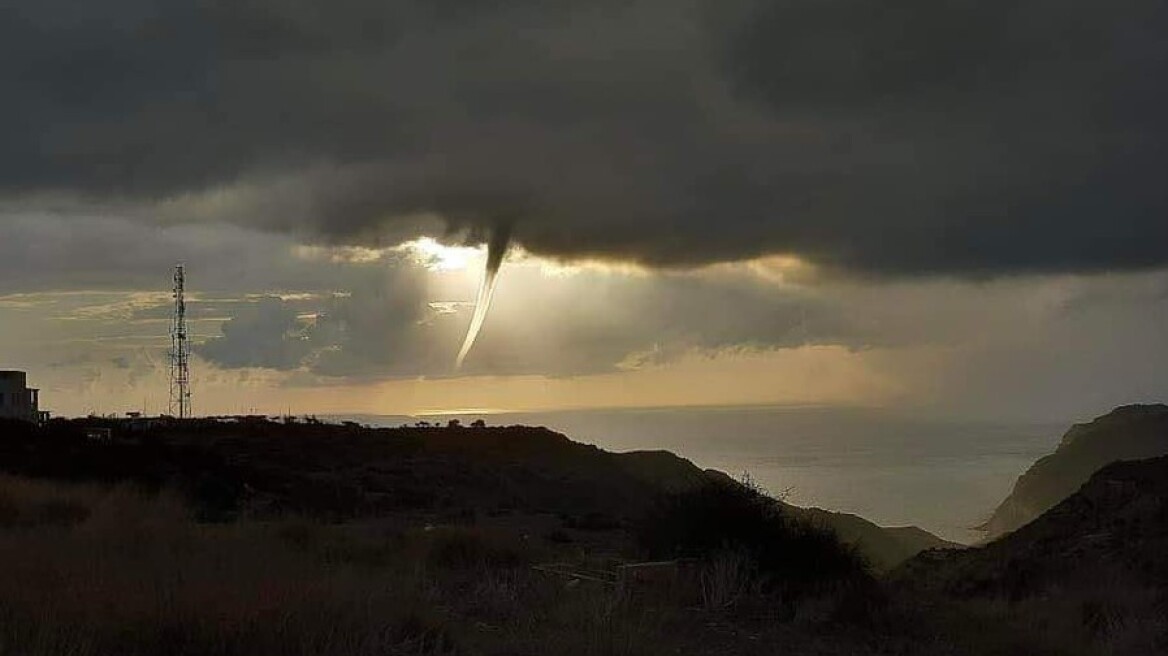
(180,375)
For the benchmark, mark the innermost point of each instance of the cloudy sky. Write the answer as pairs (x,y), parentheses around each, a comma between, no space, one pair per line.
(954,206)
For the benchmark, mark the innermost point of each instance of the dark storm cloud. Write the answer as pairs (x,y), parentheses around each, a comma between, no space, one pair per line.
(912,138)
(43,252)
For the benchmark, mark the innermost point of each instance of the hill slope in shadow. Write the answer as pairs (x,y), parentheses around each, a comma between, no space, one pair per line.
(1093,567)
(1130,432)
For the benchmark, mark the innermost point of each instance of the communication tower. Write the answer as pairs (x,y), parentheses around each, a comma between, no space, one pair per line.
(180,375)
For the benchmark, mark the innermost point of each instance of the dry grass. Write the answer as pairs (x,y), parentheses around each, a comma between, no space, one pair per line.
(130,573)
(135,576)
(727,578)
(87,570)
(27,502)
(1115,615)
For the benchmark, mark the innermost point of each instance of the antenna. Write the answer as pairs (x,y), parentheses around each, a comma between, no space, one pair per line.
(180,375)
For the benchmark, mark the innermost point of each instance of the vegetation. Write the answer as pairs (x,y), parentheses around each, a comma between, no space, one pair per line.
(729,524)
(126,572)
(214,542)
(251,466)
(1089,572)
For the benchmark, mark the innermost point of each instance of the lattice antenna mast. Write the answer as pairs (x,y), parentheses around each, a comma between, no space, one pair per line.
(180,375)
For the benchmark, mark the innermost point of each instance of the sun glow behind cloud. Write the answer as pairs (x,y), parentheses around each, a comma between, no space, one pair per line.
(436,256)
(338,254)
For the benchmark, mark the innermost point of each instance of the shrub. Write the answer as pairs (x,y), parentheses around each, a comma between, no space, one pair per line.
(781,553)
(457,548)
(726,576)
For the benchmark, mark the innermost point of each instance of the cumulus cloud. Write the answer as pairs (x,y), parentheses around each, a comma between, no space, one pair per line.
(917,138)
(265,333)
(391,323)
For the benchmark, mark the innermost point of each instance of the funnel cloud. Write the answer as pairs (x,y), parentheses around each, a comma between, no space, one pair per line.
(496,248)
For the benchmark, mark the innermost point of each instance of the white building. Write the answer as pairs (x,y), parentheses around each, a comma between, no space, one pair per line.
(17,401)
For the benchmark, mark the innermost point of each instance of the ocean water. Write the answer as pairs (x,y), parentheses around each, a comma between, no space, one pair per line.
(896,469)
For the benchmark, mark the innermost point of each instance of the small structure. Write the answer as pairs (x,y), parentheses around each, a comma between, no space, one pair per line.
(136,423)
(17,401)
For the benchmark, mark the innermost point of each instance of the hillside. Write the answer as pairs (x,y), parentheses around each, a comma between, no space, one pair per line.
(1130,432)
(426,474)
(1094,563)
(338,472)
(884,547)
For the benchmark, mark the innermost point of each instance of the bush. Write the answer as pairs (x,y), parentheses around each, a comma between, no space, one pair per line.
(456,548)
(780,553)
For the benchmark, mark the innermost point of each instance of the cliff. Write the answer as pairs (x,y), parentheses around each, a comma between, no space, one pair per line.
(1130,432)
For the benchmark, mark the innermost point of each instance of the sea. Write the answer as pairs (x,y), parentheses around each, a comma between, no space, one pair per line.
(893,468)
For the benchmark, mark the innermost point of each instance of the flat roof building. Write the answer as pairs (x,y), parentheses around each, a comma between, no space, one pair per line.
(17,401)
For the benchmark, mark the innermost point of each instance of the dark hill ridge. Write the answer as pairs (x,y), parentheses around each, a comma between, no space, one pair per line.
(348,471)
(351,471)
(1130,432)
